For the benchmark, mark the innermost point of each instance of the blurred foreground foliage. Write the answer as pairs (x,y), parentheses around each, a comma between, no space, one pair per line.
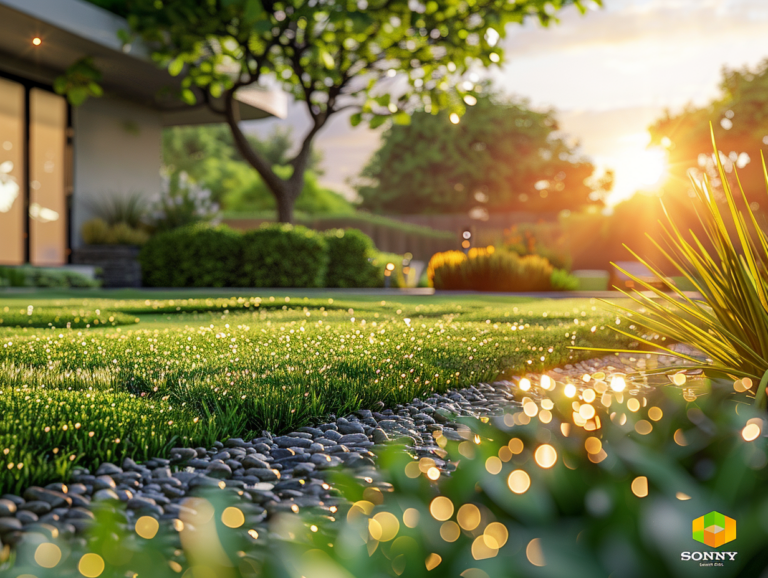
(536,492)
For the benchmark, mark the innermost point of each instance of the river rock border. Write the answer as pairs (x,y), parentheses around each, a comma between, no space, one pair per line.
(272,474)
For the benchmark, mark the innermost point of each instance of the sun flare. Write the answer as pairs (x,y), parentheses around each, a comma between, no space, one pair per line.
(638,169)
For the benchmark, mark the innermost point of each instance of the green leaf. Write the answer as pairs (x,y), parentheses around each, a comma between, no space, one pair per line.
(382,100)
(77,96)
(327,59)
(402,118)
(188,96)
(95,89)
(253,11)
(378,120)
(355,119)
(60,85)
(176,66)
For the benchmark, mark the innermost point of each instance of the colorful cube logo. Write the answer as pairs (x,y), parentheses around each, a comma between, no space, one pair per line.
(714,529)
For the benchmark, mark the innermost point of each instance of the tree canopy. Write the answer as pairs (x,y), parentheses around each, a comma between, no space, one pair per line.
(740,121)
(383,58)
(207,155)
(502,156)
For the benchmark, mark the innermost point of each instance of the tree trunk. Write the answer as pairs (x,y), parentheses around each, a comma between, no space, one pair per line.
(285,191)
(284,208)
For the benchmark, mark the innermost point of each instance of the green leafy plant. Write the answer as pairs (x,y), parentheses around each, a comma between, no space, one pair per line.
(28,276)
(181,202)
(79,82)
(98,232)
(561,280)
(729,324)
(130,209)
(283,256)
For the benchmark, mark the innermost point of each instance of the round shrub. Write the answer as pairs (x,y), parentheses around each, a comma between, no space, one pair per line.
(192,256)
(351,255)
(277,255)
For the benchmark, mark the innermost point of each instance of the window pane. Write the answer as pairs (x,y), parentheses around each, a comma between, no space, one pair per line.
(48,201)
(11,173)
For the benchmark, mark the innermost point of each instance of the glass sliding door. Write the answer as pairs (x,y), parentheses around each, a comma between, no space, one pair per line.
(12,144)
(47,178)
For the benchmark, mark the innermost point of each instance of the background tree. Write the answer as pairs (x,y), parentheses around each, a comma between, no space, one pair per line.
(503,156)
(330,55)
(740,120)
(208,157)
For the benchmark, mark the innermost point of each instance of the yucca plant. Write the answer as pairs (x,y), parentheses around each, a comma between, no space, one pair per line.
(729,324)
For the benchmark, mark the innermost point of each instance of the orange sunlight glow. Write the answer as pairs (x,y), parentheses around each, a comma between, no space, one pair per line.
(638,168)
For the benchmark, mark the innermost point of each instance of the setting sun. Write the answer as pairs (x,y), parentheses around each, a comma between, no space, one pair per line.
(638,168)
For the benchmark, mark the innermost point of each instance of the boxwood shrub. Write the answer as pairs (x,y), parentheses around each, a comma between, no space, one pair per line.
(193,256)
(278,255)
(274,255)
(351,260)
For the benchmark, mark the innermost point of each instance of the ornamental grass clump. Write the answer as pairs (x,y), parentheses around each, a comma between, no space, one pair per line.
(488,269)
(729,324)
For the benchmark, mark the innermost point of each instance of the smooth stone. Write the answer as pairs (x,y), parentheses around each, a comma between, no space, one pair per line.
(76,489)
(325,442)
(300,434)
(380,436)
(352,439)
(140,503)
(292,442)
(106,494)
(183,454)
(37,507)
(351,428)
(55,499)
(7,508)
(219,470)
(264,475)
(9,525)
(26,517)
(104,483)
(108,469)
(236,443)
(253,462)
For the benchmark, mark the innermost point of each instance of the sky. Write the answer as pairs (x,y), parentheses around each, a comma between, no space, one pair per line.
(609,74)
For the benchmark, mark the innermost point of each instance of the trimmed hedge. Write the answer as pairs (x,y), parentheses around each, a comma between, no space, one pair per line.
(273,255)
(351,262)
(284,256)
(193,256)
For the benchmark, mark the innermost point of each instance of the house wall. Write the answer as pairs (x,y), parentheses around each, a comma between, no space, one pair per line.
(117,152)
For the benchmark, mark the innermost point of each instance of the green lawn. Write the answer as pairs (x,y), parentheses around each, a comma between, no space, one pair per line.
(157,372)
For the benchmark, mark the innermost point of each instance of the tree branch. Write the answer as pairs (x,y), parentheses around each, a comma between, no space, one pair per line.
(253,157)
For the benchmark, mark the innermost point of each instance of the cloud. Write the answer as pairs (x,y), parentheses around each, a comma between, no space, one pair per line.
(630,21)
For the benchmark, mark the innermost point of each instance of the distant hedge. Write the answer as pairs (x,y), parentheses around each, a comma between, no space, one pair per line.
(273,255)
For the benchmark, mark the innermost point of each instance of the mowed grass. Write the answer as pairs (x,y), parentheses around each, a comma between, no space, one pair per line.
(194,370)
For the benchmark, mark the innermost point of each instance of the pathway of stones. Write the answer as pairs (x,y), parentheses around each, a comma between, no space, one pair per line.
(271,474)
